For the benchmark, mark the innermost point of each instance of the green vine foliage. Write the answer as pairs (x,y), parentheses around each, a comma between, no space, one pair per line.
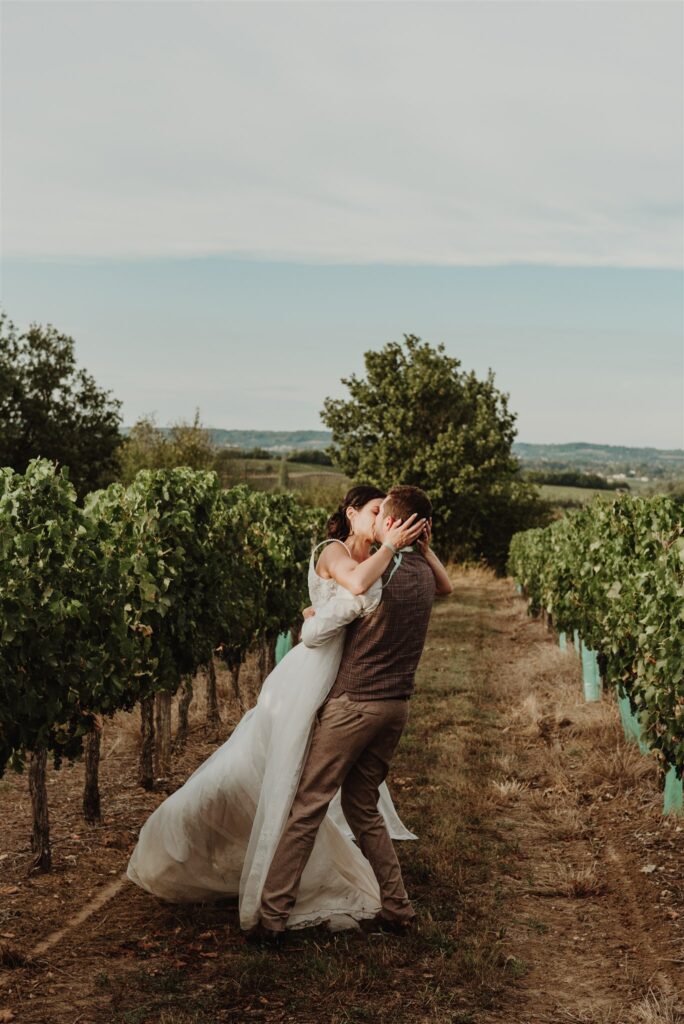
(44,603)
(615,572)
(105,604)
(264,554)
(174,512)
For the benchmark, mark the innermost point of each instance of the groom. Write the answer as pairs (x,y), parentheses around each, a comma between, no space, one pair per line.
(358,728)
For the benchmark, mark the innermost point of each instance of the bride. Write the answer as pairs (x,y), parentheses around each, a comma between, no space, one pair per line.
(216,835)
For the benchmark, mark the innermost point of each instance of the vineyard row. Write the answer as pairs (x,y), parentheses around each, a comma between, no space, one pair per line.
(611,577)
(123,599)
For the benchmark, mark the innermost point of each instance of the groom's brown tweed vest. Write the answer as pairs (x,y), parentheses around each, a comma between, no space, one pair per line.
(382,650)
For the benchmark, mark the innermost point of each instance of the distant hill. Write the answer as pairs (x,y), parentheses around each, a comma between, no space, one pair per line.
(601,458)
(597,458)
(271,440)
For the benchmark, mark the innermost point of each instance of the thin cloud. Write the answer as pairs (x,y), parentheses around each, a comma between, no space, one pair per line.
(452,134)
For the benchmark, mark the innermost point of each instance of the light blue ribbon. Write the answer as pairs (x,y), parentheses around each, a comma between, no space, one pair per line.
(397,563)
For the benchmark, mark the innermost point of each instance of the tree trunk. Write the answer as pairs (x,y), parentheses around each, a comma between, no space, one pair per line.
(603,668)
(234,671)
(162,726)
(40,838)
(184,702)
(267,647)
(146,771)
(91,790)
(294,634)
(271,654)
(213,714)
(261,659)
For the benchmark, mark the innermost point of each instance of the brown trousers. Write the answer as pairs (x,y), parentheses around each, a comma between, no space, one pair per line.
(351,747)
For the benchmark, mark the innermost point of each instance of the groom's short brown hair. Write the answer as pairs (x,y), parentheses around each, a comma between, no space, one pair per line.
(403,501)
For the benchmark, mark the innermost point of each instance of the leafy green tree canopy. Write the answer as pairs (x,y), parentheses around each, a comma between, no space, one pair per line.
(51,409)
(417,418)
(148,446)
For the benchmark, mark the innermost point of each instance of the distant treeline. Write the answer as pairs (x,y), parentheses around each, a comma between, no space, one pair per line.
(571,478)
(312,456)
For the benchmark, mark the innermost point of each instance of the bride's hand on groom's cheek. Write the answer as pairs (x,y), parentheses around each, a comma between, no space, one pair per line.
(402,533)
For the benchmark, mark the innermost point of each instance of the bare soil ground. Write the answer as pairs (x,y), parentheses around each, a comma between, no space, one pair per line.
(550,889)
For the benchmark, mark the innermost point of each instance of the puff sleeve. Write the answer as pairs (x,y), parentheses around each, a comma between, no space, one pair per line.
(338,612)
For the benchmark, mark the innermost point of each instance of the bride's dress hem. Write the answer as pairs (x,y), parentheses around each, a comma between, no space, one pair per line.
(214,838)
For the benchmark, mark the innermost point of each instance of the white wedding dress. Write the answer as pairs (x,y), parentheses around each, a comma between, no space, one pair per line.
(216,835)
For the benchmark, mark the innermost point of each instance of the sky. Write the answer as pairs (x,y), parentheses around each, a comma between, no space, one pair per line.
(227,204)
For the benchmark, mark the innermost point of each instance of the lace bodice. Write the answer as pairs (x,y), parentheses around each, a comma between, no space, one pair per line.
(320,590)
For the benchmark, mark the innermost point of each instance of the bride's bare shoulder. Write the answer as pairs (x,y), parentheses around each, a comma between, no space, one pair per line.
(331,555)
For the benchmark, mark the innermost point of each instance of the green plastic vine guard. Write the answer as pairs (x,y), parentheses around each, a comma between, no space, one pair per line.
(630,723)
(562,641)
(577,643)
(283,645)
(591,677)
(673,799)
(673,794)
(518,588)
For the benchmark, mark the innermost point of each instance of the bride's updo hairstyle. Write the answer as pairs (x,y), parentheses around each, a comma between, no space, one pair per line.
(338,523)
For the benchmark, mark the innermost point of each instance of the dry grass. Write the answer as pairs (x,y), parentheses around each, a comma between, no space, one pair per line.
(474,573)
(655,1007)
(508,790)
(562,821)
(575,882)
(618,766)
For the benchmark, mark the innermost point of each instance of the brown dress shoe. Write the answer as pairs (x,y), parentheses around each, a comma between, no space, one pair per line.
(263,936)
(380,923)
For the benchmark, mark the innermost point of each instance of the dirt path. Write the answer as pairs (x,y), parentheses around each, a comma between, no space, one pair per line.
(549,888)
(594,888)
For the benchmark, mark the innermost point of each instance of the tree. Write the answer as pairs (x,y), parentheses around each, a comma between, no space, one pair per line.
(190,444)
(417,418)
(148,446)
(144,447)
(51,409)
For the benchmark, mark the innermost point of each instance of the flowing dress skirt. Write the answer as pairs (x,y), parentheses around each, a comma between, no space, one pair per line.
(216,835)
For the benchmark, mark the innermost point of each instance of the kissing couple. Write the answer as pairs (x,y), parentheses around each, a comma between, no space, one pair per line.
(292,813)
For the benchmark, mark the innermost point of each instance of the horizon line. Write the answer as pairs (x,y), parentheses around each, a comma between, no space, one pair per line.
(538,444)
(331,262)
